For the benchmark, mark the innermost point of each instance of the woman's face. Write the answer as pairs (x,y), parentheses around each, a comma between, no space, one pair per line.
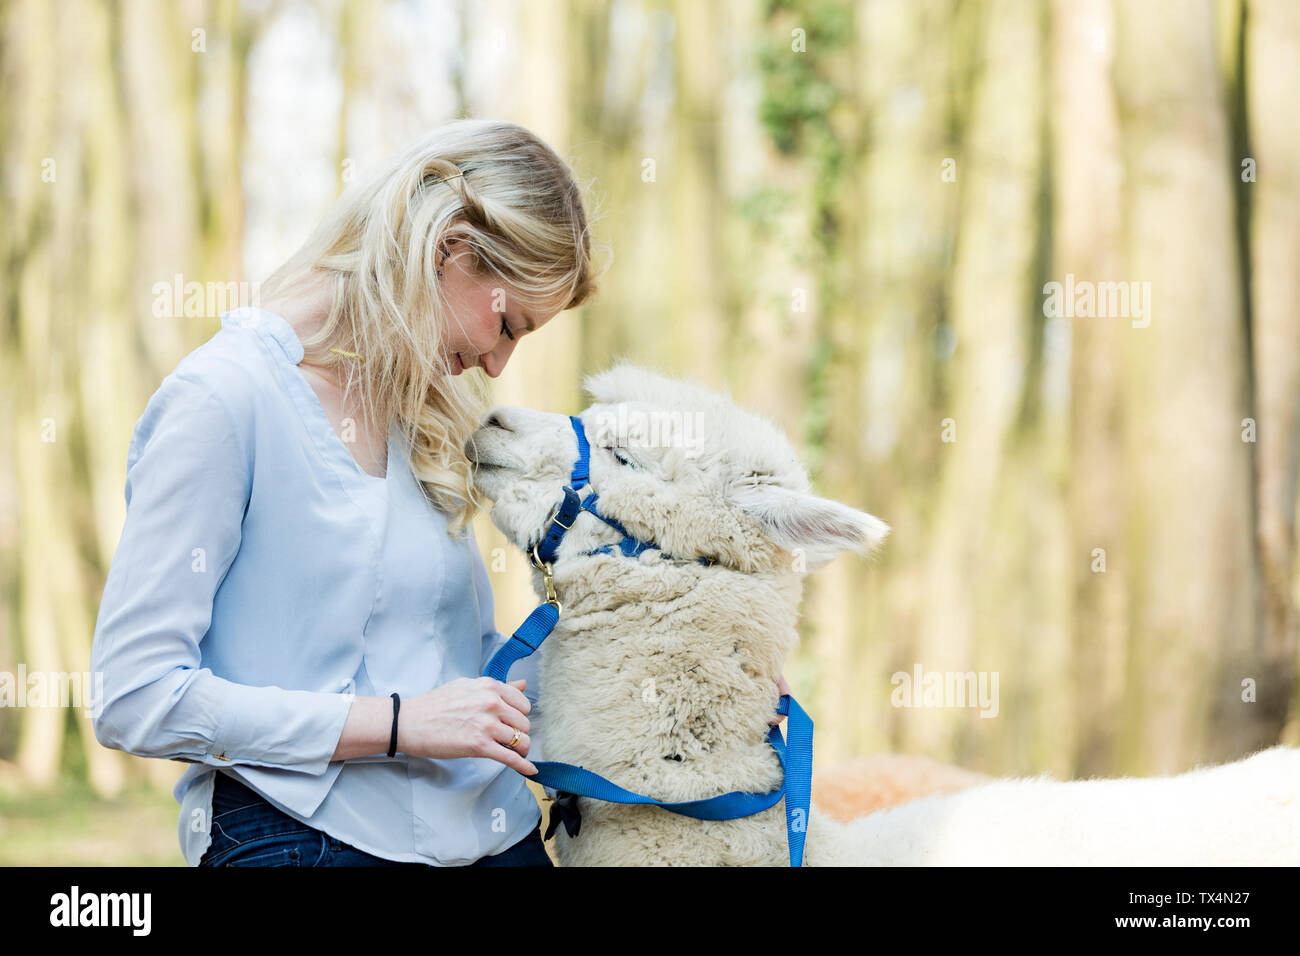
(487,318)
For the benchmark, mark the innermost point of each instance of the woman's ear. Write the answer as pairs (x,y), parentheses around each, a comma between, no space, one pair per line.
(798,522)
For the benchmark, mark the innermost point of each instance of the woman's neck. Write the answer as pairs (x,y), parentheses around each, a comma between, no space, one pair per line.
(306,308)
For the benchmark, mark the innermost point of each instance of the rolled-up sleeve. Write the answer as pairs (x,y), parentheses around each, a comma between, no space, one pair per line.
(189,476)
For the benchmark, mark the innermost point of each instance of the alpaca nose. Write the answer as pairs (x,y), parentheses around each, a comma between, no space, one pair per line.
(496,420)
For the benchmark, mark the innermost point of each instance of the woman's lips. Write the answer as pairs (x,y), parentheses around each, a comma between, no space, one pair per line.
(460,365)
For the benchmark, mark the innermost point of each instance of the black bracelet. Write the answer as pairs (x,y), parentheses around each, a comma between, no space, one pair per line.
(392,740)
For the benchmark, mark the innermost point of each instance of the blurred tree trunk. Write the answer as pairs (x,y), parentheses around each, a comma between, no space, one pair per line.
(47,231)
(844,324)
(1190,553)
(1089,176)
(222,136)
(92,315)
(607,90)
(154,54)
(41,429)
(110,393)
(354,57)
(898,256)
(988,303)
(16,189)
(694,320)
(771,332)
(1272,81)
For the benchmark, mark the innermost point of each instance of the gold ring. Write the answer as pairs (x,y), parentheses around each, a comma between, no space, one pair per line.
(512,743)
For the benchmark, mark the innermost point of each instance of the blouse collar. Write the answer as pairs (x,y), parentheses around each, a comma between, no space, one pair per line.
(275,328)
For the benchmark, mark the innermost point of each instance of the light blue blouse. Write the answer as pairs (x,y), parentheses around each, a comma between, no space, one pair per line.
(262,579)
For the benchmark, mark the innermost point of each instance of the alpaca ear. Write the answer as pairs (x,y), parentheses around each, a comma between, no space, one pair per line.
(818,528)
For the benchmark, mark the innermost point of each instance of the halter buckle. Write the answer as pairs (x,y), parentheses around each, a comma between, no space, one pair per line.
(548,579)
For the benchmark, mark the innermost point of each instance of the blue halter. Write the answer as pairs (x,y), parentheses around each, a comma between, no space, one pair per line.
(571,781)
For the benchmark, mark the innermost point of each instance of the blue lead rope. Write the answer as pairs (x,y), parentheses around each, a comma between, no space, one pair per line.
(796,789)
(535,629)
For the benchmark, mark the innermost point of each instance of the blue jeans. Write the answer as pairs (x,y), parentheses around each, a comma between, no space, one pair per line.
(249,831)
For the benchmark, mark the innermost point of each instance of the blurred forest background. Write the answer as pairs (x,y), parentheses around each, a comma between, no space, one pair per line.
(848,213)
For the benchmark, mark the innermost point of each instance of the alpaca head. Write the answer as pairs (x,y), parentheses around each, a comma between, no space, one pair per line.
(674,463)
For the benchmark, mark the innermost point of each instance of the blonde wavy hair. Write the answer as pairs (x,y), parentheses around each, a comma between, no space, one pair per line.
(514,203)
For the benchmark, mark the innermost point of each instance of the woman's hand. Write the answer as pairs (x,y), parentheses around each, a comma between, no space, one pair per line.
(781,688)
(468,717)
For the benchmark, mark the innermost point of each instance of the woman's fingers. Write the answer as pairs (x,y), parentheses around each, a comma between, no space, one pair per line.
(514,756)
(516,762)
(512,695)
(509,711)
(782,688)
(505,733)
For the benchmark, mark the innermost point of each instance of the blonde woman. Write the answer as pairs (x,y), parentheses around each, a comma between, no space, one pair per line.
(297,607)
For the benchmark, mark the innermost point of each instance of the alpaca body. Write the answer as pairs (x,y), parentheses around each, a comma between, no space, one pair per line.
(654,661)
(1245,813)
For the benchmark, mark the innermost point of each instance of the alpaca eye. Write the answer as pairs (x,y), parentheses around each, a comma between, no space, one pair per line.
(621,458)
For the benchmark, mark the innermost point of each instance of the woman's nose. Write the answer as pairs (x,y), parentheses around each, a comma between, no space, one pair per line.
(495,361)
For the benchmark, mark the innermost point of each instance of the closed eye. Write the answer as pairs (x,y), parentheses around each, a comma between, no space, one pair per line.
(621,458)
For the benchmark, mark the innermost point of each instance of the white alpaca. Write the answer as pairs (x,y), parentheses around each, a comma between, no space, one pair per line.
(661,672)
(1237,814)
